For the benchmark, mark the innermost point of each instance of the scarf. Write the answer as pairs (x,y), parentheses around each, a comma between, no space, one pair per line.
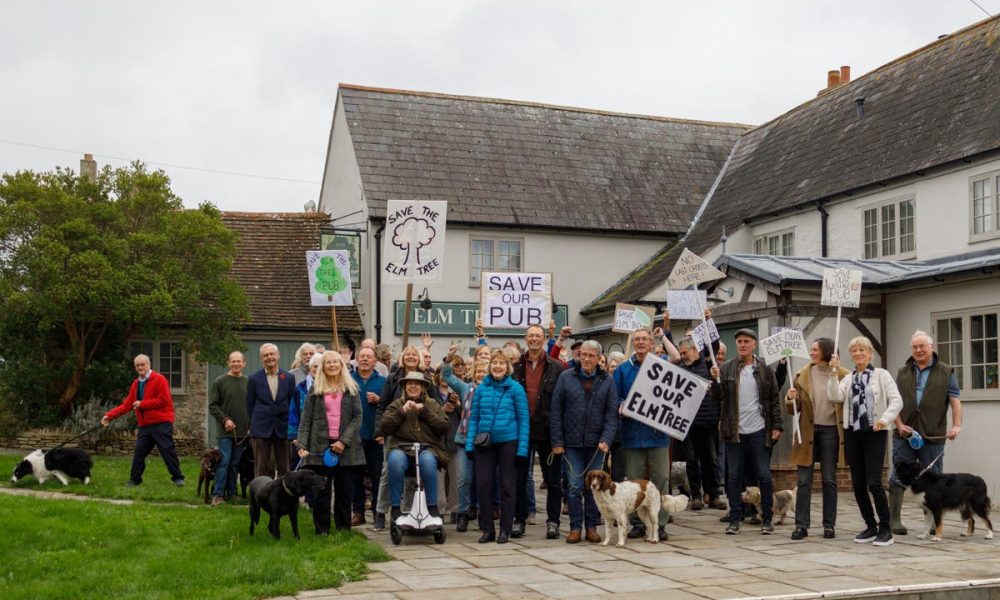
(862,400)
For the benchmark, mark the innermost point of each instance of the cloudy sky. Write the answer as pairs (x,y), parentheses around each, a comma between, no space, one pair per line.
(202,89)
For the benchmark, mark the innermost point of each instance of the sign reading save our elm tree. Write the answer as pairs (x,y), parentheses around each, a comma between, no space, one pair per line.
(783,344)
(515,300)
(329,278)
(629,318)
(413,247)
(665,397)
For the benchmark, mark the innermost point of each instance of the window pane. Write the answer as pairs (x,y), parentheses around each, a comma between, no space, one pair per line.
(977,327)
(906,226)
(772,245)
(888,230)
(788,244)
(481,259)
(982,206)
(510,255)
(983,346)
(871,233)
(758,246)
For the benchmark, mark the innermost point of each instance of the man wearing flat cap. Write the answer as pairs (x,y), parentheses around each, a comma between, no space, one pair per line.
(750,424)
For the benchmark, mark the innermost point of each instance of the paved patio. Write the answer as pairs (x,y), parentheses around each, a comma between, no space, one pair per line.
(697,562)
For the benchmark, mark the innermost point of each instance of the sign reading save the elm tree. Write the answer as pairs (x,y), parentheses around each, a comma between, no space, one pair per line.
(413,250)
(515,300)
(665,397)
(329,278)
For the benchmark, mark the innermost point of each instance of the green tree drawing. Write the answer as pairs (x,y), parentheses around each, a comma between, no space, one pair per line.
(329,280)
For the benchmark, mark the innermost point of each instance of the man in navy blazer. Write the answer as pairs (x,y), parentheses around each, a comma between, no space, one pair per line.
(269,393)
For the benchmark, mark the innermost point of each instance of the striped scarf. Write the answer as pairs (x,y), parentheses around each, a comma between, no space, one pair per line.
(862,400)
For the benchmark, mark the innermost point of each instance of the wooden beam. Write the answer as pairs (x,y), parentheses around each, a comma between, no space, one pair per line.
(811,325)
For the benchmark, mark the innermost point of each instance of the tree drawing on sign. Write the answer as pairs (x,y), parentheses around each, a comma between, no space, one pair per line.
(329,280)
(642,319)
(411,235)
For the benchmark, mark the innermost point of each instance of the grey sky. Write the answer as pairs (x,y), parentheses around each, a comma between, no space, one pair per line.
(250,86)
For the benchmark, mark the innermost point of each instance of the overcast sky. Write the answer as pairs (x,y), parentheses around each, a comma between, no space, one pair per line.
(250,86)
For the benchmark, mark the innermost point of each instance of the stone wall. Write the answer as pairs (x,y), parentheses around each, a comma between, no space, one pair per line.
(117,443)
(191,408)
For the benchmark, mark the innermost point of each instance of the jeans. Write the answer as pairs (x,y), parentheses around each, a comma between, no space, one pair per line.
(551,477)
(399,462)
(465,469)
(702,443)
(749,451)
(826,445)
(337,483)
(227,472)
(530,483)
(502,455)
(374,455)
(902,450)
(582,508)
(160,435)
(865,453)
(655,462)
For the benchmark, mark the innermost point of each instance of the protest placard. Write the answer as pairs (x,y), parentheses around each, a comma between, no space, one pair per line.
(329,278)
(413,246)
(784,344)
(706,333)
(629,317)
(691,269)
(841,287)
(687,304)
(665,397)
(515,300)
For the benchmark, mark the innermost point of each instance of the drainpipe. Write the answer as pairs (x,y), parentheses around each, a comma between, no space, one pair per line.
(378,284)
(824,217)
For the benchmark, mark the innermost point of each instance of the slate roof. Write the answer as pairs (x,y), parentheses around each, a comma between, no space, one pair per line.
(934,106)
(533,165)
(270,265)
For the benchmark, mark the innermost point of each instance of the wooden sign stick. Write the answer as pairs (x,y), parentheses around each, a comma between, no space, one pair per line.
(708,340)
(336,334)
(628,345)
(406,315)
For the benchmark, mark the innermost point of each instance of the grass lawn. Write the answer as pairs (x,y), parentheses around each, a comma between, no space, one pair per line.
(108,479)
(72,549)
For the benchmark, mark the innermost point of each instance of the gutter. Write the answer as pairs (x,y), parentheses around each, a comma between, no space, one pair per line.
(378,283)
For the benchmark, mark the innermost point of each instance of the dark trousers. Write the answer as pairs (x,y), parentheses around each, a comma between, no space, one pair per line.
(551,474)
(865,453)
(617,460)
(270,454)
(826,444)
(487,459)
(373,468)
(702,444)
(160,435)
(338,482)
(749,451)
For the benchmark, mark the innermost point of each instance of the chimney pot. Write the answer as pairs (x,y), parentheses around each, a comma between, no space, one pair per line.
(88,168)
(845,74)
(832,78)
(88,157)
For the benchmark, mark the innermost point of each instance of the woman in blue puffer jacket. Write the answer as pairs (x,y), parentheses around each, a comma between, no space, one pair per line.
(500,409)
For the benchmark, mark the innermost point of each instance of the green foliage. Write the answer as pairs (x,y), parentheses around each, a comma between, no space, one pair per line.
(84,265)
(329,280)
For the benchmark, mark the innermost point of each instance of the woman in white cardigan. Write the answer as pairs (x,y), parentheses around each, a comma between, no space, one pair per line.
(872,403)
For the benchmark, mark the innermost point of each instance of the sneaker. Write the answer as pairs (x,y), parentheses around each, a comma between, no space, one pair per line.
(829,533)
(379,522)
(551,531)
(179,482)
(637,532)
(517,531)
(733,528)
(766,528)
(800,533)
(884,538)
(696,504)
(218,501)
(868,535)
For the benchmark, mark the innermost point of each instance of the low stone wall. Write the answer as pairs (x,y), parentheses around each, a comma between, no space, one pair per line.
(117,443)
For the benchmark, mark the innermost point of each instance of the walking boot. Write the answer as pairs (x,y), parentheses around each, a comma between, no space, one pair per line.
(895,507)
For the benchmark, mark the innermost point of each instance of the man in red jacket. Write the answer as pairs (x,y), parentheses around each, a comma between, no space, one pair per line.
(150,398)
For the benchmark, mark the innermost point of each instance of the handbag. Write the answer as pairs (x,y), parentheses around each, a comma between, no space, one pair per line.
(484,438)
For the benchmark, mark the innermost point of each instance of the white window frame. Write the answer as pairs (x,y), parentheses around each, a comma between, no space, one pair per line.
(474,277)
(968,393)
(154,360)
(764,242)
(880,229)
(994,200)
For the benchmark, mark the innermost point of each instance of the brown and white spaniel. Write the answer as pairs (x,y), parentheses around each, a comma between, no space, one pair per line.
(617,500)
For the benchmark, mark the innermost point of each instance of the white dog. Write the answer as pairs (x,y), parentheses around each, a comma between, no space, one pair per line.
(617,500)
(674,504)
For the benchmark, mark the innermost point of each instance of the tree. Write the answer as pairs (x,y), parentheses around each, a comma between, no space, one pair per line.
(85,265)
(329,280)
(413,234)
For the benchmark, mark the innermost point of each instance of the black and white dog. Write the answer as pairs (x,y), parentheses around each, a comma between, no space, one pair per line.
(62,463)
(963,492)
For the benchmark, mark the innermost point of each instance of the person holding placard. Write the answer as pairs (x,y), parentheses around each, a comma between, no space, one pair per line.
(647,450)
(750,424)
(702,440)
(871,404)
(821,430)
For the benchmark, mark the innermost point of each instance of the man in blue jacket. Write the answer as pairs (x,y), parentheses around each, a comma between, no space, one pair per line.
(269,393)
(647,450)
(370,384)
(583,418)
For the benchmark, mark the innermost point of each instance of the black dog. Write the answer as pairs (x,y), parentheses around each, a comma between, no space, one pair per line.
(949,491)
(245,469)
(280,497)
(210,460)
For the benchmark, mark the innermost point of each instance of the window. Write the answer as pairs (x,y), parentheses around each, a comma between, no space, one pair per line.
(888,230)
(494,254)
(166,358)
(781,243)
(985,206)
(968,341)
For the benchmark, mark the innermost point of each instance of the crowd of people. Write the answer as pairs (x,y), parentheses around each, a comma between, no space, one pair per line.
(483,420)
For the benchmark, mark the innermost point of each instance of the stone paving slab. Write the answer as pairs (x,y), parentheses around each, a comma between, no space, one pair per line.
(698,562)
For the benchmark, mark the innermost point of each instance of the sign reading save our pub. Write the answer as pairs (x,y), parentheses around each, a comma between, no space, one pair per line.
(515,300)
(665,397)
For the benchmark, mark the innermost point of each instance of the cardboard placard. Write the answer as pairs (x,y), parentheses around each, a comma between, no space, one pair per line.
(784,344)
(515,300)
(413,245)
(329,278)
(841,287)
(687,304)
(665,397)
(692,269)
(705,334)
(629,317)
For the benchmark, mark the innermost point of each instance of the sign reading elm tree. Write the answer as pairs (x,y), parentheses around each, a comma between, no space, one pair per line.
(413,249)
(329,278)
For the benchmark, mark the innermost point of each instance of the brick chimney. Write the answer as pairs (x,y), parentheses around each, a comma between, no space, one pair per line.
(845,74)
(88,168)
(832,78)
